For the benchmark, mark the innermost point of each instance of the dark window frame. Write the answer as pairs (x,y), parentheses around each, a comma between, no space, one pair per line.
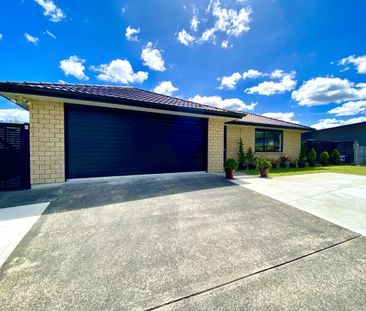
(264,143)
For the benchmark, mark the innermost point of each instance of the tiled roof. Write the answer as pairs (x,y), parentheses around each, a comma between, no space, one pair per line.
(255,119)
(117,94)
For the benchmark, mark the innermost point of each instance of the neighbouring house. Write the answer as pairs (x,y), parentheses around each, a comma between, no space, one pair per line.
(349,139)
(79,131)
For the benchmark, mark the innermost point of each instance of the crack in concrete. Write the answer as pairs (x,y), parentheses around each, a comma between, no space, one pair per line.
(249,275)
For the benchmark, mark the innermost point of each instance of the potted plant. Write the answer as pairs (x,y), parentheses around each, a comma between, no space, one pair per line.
(284,161)
(250,159)
(230,166)
(242,157)
(264,165)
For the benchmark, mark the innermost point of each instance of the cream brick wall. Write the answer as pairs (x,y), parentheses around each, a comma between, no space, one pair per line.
(215,161)
(291,142)
(47,142)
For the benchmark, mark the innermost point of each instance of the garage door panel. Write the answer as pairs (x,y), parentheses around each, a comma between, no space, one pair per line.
(109,142)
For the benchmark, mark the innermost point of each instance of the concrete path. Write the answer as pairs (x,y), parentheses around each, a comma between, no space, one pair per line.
(190,242)
(15,222)
(339,198)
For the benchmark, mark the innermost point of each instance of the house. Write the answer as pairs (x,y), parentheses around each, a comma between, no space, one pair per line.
(349,139)
(79,131)
(351,133)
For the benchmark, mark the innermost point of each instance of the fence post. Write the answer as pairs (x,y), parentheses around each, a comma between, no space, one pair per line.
(355,152)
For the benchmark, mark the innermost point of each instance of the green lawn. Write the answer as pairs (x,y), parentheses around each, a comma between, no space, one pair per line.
(344,169)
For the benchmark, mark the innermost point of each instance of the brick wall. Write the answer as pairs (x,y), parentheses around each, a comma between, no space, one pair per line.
(215,159)
(47,142)
(291,142)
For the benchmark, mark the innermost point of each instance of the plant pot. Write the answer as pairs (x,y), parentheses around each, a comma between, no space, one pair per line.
(242,166)
(229,174)
(264,172)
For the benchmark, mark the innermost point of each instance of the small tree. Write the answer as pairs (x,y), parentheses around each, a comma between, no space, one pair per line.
(312,157)
(335,156)
(241,154)
(324,158)
(250,158)
(302,156)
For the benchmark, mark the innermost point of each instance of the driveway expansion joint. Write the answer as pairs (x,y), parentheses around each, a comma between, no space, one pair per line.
(251,274)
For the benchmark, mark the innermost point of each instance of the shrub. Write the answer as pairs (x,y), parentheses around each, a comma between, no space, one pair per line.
(324,157)
(302,156)
(231,164)
(335,156)
(283,160)
(241,154)
(250,158)
(312,157)
(264,163)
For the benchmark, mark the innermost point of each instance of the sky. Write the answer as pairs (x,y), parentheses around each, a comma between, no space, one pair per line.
(299,61)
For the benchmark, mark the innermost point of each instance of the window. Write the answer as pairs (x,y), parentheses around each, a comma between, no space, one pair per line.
(268,140)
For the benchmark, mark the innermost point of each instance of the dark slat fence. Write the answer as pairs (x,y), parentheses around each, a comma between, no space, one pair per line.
(345,149)
(14,156)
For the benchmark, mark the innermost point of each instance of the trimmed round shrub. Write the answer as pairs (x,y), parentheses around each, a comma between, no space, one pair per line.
(324,158)
(312,157)
(335,156)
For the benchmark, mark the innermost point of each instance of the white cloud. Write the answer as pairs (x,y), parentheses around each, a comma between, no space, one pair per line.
(323,91)
(284,116)
(359,62)
(225,44)
(14,116)
(119,71)
(229,103)
(185,38)
(152,58)
(252,74)
(124,9)
(50,9)
(229,82)
(327,123)
(233,22)
(166,88)
(218,21)
(73,66)
(1,36)
(286,84)
(349,108)
(50,34)
(194,23)
(131,33)
(30,38)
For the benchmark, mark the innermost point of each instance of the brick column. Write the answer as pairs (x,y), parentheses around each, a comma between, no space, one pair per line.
(47,152)
(215,152)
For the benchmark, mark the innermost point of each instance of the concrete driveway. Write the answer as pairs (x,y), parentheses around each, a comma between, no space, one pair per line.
(178,242)
(339,198)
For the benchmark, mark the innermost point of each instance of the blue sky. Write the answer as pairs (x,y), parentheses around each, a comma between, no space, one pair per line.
(302,61)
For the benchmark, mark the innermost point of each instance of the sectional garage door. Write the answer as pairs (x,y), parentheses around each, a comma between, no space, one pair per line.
(112,142)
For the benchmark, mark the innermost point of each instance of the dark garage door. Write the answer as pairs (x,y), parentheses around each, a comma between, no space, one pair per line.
(112,142)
